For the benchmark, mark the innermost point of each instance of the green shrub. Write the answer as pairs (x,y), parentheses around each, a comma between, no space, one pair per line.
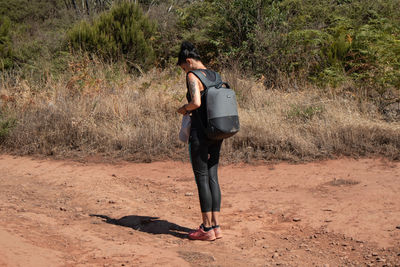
(375,55)
(6,124)
(329,42)
(6,53)
(20,11)
(304,112)
(37,32)
(123,32)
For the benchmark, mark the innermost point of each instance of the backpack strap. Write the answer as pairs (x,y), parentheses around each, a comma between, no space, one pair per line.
(207,84)
(205,81)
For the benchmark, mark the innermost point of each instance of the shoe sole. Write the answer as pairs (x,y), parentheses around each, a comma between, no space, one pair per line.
(203,239)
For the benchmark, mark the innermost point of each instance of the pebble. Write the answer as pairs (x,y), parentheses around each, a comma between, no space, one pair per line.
(63,209)
(275,255)
(295,219)
(374,254)
(188,194)
(398,227)
(328,220)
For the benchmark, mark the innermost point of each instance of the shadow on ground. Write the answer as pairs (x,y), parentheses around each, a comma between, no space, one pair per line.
(151,225)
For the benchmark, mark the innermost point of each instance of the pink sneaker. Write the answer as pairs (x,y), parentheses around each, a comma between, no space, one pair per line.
(200,234)
(218,232)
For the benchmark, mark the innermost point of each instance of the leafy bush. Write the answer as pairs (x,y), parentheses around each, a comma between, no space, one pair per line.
(303,113)
(123,32)
(329,42)
(36,34)
(6,53)
(30,10)
(6,124)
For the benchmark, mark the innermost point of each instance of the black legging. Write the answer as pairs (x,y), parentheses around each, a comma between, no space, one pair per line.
(204,154)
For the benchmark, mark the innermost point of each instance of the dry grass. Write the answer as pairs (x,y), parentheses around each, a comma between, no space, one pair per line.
(99,109)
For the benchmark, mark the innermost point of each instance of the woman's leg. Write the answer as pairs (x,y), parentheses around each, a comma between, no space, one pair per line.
(199,156)
(212,165)
(207,219)
(215,218)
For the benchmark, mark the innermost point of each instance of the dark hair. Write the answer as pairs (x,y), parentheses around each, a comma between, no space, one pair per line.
(187,51)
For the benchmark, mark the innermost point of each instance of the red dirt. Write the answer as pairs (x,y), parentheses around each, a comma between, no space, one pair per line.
(64,213)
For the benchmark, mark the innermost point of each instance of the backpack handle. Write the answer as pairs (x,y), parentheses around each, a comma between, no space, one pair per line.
(223,83)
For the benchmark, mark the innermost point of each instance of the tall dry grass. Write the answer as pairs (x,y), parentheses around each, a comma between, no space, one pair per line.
(97,108)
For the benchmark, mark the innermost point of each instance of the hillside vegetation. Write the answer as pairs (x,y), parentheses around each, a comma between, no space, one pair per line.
(314,79)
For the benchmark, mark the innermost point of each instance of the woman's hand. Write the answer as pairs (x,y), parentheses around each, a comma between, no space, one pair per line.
(182,110)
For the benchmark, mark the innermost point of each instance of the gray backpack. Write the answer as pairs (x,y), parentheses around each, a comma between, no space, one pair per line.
(222,113)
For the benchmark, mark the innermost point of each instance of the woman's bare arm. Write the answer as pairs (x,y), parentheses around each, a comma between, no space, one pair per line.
(195,86)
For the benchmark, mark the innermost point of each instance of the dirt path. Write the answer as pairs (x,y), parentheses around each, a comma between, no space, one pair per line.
(63,213)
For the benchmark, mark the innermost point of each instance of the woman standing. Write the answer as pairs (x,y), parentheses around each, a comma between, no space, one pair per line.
(204,153)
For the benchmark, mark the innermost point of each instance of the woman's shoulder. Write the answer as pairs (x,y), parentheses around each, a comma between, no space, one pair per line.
(191,76)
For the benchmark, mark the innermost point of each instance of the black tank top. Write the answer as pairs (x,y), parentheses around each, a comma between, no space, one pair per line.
(202,111)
